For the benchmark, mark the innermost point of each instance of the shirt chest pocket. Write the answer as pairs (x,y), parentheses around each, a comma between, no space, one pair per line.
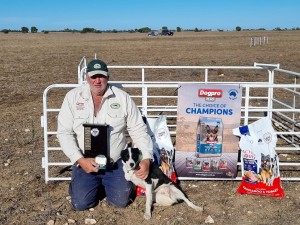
(80,117)
(116,118)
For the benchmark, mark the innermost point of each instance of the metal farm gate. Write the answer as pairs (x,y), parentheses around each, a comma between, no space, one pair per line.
(267,91)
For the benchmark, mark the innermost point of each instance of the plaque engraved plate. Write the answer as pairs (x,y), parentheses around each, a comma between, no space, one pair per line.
(87,138)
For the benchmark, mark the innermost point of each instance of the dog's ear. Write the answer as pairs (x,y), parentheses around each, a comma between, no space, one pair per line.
(207,129)
(216,129)
(124,155)
(135,151)
(136,154)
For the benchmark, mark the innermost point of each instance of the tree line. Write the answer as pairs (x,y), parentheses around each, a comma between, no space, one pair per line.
(34,29)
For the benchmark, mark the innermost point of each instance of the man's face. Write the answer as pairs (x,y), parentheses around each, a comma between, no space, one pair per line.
(98,83)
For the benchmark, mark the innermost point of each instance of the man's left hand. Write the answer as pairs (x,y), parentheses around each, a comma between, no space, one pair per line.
(143,172)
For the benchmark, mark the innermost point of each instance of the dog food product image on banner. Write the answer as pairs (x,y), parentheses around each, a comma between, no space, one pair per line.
(209,137)
(260,163)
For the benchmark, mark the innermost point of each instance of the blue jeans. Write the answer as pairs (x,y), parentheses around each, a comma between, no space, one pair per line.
(86,189)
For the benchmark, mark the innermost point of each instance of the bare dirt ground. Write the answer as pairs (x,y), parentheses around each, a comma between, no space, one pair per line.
(31,62)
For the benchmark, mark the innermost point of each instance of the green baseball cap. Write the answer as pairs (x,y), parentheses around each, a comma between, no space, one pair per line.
(97,66)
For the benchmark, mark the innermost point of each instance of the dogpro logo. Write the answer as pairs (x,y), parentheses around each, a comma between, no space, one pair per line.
(209,93)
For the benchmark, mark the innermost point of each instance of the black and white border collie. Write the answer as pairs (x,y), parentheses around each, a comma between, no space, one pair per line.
(159,188)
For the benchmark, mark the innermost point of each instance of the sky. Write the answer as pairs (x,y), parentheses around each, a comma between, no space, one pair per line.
(135,14)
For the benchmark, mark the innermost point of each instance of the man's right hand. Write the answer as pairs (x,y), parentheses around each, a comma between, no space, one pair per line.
(88,164)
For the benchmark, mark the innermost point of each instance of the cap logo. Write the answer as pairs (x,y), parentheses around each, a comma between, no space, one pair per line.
(97,66)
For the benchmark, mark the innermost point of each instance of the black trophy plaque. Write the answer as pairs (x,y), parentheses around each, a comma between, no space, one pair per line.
(95,140)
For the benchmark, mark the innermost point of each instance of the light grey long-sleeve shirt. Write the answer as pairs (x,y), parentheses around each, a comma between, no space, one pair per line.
(117,110)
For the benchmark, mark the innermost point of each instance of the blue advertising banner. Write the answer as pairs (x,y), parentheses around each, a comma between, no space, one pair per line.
(205,144)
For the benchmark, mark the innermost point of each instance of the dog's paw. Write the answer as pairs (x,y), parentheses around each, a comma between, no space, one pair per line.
(199,209)
(147,216)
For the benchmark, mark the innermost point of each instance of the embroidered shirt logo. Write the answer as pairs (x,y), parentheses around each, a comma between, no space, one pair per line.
(79,105)
(115,106)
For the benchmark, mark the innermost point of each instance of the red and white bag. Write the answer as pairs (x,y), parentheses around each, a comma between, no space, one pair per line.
(260,163)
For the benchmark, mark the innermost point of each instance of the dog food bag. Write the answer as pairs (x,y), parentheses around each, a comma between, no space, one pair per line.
(162,141)
(259,161)
(150,123)
(163,148)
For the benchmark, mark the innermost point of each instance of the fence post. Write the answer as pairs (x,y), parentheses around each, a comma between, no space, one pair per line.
(258,41)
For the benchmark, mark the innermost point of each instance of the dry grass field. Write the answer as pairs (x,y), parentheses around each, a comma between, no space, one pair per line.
(31,62)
